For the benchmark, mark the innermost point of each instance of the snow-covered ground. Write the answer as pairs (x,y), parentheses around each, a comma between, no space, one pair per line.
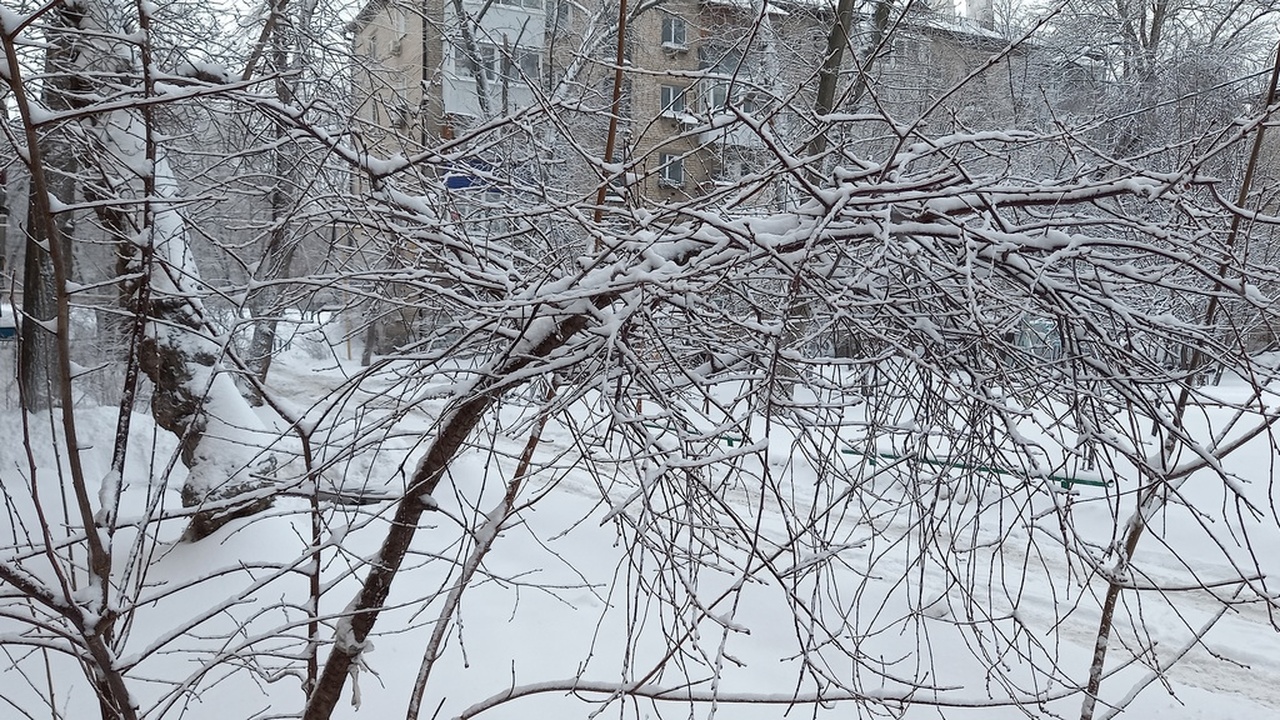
(786,569)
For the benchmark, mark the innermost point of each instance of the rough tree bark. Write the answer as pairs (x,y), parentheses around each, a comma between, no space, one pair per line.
(63,90)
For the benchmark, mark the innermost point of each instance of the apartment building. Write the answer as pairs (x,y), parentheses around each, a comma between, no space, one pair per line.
(715,96)
(713,89)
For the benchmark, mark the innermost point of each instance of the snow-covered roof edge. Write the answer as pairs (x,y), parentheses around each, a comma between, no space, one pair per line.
(772,7)
(367,13)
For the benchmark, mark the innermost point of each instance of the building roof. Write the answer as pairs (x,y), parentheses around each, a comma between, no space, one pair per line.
(917,18)
(957,25)
(752,5)
(367,13)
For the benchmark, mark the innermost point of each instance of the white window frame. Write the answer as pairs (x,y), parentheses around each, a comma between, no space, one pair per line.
(399,31)
(675,33)
(718,104)
(560,16)
(733,170)
(719,97)
(671,170)
(673,101)
(492,58)
(526,4)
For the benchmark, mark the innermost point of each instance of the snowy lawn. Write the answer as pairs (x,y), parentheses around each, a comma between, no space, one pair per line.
(768,564)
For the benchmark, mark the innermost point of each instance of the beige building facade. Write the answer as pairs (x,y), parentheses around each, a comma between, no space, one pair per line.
(714,92)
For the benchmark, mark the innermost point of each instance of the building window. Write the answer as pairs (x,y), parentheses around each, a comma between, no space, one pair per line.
(399,31)
(719,98)
(527,4)
(561,16)
(674,31)
(616,191)
(671,174)
(371,47)
(516,65)
(529,65)
(720,60)
(465,63)
(909,54)
(672,101)
(732,171)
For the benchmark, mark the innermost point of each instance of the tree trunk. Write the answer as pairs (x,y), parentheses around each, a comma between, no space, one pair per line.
(37,370)
(63,86)
(264,302)
(187,377)
(277,257)
(223,443)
